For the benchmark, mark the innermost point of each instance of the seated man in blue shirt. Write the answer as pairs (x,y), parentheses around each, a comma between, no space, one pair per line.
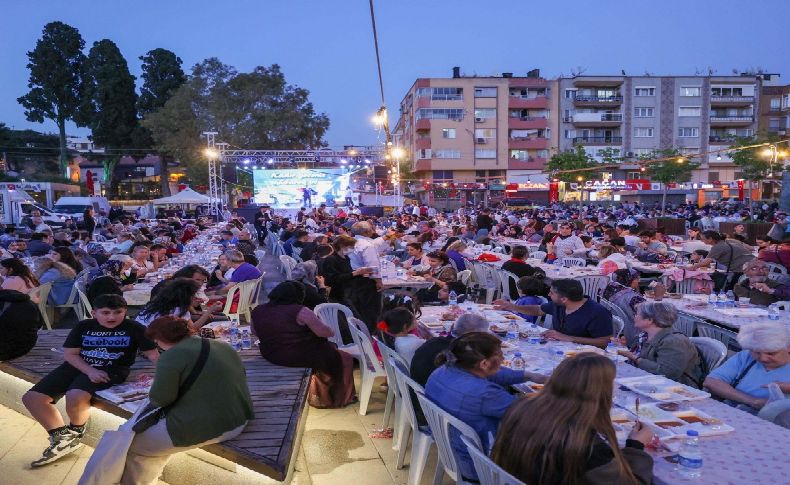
(575,318)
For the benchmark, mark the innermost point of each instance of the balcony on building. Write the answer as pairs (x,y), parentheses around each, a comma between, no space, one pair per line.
(422,124)
(731,118)
(422,142)
(598,140)
(525,119)
(732,95)
(594,82)
(726,136)
(528,143)
(596,119)
(535,98)
(613,98)
(526,163)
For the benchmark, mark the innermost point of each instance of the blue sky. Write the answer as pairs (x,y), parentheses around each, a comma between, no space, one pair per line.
(326,46)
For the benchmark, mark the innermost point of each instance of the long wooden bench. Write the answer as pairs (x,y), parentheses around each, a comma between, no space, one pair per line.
(268,444)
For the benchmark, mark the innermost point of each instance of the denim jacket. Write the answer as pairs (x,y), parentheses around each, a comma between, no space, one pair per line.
(478,402)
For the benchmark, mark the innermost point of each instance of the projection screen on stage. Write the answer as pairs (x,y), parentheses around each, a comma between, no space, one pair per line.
(289,188)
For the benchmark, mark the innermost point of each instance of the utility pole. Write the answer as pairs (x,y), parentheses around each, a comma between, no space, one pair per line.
(215,204)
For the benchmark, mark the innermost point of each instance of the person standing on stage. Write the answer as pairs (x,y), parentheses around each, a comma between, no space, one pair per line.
(307,197)
(349,197)
(365,294)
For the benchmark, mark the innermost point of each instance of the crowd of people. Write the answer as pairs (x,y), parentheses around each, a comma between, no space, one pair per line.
(339,258)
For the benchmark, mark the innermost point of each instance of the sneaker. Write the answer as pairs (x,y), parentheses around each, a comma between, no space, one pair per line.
(60,444)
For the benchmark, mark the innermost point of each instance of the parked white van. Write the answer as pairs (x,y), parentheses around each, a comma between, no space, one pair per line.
(74,207)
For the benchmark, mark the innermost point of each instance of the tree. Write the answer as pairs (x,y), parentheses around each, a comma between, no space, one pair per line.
(754,164)
(55,82)
(671,167)
(252,110)
(162,76)
(570,160)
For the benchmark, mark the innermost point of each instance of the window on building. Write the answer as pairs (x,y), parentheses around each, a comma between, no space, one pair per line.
(689,150)
(442,174)
(496,173)
(643,112)
(522,155)
(456,114)
(643,132)
(644,91)
(447,153)
(643,152)
(569,134)
(689,111)
(485,92)
(424,153)
(776,103)
(713,177)
(688,132)
(485,153)
(634,175)
(690,90)
(486,133)
(542,153)
(570,94)
(726,91)
(485,113)
(448,133)
(775,124)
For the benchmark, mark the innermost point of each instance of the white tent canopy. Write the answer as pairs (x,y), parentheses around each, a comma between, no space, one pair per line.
(186,196)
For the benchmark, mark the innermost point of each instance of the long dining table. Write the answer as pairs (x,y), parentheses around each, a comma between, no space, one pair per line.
(755,451)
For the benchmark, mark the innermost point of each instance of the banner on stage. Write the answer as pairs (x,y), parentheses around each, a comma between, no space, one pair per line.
(294,188)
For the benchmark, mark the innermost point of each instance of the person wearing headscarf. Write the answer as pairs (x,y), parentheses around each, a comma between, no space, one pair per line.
(623,292)
(292,335)
(315,289)
(113,268)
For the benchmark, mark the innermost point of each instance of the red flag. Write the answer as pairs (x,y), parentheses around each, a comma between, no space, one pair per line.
(89,182)
(740,190)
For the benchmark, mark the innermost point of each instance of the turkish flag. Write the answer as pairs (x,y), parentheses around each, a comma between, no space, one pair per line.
(740,190)
(89,182)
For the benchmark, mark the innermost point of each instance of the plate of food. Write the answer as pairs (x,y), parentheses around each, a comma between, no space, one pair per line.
(661,389)
(676,423)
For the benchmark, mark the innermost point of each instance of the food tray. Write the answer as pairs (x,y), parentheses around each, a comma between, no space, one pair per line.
(661,389)
(674,424)
(528,387)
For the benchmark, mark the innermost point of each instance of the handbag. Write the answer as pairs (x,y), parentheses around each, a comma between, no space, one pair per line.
(152,414)
(106,464)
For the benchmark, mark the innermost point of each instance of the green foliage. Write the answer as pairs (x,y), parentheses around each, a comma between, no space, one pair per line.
(258,109)
(162,76)
(56,67)
(571,160)
(30,152)
(108,104)
(669,171)
(753,163)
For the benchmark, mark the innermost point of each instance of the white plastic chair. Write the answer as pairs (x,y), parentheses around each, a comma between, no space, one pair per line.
(628,326)
(465,276)
(713,351)
(394,404)
(246,294)
(329,313)
(487,280)
(287,264)
(42,292)
(73,302)
(685,287)
(227,310)
(593,285)
(617,326)
(727,337)
(441,422)
(541,255)
(776,268)
(569,262)
(370,367)
(505,277)
(86,309)
(686,324)
(488,472)
(421,437)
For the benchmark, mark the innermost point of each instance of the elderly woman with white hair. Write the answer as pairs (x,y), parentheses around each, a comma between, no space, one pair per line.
(661,350)
(743,380)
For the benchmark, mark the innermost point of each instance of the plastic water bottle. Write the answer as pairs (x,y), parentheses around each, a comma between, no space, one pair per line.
(400,273)
(773,311)
(730,298)
(233,335)
(246,338)
(558,356)
(453,298)
(690,456)
(611,349)
(712,299)
(512,331)
(518,362)
(533,334)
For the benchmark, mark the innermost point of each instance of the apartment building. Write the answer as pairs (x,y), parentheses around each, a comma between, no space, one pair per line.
(775,110)
(635,115)
(467,136)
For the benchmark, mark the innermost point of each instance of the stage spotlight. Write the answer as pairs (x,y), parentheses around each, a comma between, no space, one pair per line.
(246,161)
(343,161)
(270,161)
(292,160)
(367,161)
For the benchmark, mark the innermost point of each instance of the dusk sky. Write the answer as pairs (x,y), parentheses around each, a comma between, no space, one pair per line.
(326,46)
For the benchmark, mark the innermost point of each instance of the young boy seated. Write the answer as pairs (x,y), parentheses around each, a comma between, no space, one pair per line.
(98,353)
